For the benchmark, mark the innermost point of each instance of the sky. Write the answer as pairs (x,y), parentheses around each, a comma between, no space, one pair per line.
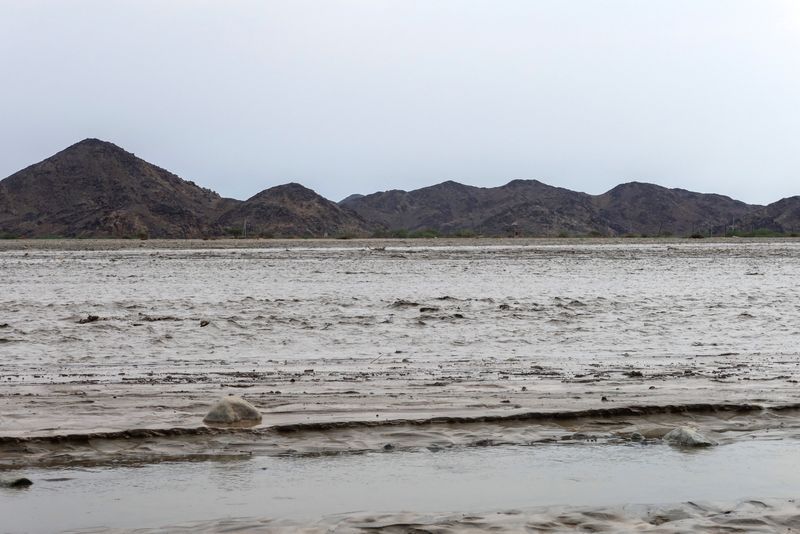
(358,96)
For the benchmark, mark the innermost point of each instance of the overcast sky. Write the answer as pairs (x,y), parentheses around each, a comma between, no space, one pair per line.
(360,96)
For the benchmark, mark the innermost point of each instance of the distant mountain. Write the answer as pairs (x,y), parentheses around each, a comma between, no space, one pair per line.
(524,207)
(354,196)
(782,216)
(537,209)
(640,208)
(292,210)
(96,189)
(529,207)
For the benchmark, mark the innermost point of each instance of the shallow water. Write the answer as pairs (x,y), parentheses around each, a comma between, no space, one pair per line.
(309,490)
(343,332)
(468,343)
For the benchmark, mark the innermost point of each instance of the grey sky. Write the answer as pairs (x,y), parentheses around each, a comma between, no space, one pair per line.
(360,96)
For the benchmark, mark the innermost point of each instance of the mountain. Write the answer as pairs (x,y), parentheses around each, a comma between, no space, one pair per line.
(529,207)
(96,189)
(649,209)
(292,210)
(354,196)
(526,207)
(782,216)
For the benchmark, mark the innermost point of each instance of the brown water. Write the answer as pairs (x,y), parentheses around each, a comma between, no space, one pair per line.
(330,491)
(321,332)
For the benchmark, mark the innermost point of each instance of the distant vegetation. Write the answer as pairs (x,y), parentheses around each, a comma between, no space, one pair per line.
(407,234)
(760,232)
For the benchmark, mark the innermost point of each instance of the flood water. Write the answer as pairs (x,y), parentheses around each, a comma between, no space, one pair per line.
(314,490)
(101,338)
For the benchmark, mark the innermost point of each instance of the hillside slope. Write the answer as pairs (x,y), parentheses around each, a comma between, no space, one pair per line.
(96,189)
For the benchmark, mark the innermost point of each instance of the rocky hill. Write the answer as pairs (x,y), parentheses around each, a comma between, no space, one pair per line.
(292,210)
(638,208)
(96,189)
(782,216)
(529,207)
(524,207)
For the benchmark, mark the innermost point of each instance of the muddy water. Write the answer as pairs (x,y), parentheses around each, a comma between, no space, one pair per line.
(326,490)
(102,337)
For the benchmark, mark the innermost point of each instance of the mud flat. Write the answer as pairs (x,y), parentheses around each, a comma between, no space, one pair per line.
(112,352)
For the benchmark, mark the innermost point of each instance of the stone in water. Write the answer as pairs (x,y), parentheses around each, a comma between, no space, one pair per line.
(686,436)
(232,410)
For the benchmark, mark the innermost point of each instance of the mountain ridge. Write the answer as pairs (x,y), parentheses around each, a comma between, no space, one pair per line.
(94,188)
(293,210)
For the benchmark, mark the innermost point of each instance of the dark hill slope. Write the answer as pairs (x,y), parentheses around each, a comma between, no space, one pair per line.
(96,189)
(292,210)
(641,208)
(525,207)
(782,216)
(529,207)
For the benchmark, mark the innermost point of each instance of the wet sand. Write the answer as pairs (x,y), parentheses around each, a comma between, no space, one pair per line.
(349,346)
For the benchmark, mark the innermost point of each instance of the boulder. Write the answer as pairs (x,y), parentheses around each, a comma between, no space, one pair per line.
(686,436)
(232,410)
(16,483)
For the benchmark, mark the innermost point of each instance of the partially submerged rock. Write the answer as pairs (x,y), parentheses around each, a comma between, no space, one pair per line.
(16,483)
(233,410)
(636,436)
(686,436)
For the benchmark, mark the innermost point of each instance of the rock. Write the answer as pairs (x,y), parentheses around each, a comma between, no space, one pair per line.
(404,304)
(89,319)
(17,483)
(686,436)
(204,323)
(636,436)
(232,410)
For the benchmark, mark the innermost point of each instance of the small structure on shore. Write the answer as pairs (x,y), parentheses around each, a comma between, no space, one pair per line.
(232,410)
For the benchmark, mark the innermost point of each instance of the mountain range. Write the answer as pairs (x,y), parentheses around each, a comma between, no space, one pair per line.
(96,189)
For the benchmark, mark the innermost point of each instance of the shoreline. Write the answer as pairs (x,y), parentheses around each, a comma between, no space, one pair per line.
(724,423)
(86,244)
